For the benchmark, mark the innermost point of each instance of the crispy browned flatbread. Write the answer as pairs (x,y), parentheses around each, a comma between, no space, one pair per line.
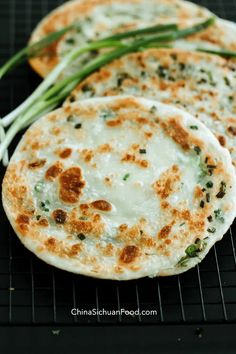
(120,188)
(202,84)
(101,18)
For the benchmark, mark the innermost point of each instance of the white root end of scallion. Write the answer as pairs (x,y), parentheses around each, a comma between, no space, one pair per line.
(2,137)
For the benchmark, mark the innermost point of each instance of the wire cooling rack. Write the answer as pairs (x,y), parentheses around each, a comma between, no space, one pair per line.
(33,293)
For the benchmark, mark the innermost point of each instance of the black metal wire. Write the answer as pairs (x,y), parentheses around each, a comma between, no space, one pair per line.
(232,245)
(118,304)
(10,280)
(160,301)
(181,299)
(201,293)
(32,289)
(220,284)
(97,305)
(74,296)
(138,302)
(54,306)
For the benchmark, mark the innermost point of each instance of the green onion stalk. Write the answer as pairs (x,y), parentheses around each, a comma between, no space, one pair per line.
(33,49)
(36,48)
(5,155)
(45,97)
(221,52)
(53,76)
(105,43)
(134,46)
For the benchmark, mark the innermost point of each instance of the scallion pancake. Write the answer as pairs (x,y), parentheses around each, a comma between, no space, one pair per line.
(120,188)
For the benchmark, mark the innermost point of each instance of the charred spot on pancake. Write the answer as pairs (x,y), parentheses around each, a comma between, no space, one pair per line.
(55,131)
(128,254)
(131,158)
(37,164)
(22,222)
(164,232)
(71,185)
(143,163)
(114,122)
(65,153)
(87,154)
(104,148)
(43,222)
(51,243)
(59,216)
(53,171)
(176,131)
(232,130)
(102,205)
(75,249)
(22,219)
(93,225)
(166,184)
(128,158)
(222,140)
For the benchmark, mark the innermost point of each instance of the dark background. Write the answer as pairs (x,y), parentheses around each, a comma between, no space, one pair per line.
(196,310)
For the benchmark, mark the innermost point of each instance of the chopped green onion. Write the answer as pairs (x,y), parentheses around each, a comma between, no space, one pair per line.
(202,204)
(44,205)
(153,109)
(78,126)
(81,236)
(209,184)
(222,190)
(192,251)
(38,187)
(197,150)
(210,218)
(219,215)
(126,176)
(212,230)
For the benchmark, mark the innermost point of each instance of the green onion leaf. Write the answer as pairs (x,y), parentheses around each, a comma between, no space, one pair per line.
(47,97)
(220,52)
(32,50)
(147,30)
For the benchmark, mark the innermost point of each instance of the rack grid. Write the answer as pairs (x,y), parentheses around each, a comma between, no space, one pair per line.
(33,293)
